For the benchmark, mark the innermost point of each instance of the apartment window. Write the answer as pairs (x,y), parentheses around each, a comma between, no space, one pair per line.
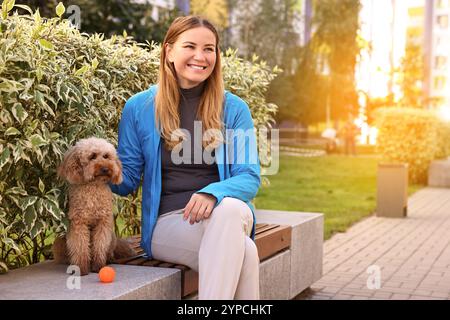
(440,62)
(439,82)
(442,21)
(441,4)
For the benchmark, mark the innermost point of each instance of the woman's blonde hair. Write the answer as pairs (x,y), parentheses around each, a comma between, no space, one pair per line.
(167,99)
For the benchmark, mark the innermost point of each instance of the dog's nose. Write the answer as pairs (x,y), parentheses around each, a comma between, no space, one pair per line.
(104,170)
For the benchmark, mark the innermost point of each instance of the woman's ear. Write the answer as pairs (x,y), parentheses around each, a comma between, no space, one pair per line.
(71,168)
(168,48)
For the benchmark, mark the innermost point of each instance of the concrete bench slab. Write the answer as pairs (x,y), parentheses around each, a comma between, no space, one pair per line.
(306,251)
(274,277)
(48,281)
(439,174)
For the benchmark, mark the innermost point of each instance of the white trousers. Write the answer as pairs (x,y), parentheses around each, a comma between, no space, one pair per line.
(219,248)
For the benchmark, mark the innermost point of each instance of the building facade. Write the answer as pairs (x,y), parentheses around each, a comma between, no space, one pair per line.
(437,53)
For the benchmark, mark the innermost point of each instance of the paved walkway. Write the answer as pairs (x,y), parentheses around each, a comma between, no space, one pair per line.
(412,255)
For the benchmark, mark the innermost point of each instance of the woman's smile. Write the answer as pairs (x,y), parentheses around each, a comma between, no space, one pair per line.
(197,67)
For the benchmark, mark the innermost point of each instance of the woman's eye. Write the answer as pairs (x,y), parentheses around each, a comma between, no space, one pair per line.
(189,46)
(93,156)
(210,49)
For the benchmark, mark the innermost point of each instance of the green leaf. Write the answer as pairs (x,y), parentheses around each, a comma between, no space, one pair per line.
(37,18)
(11,86)
(82,70)
(4,158)
(39,74)
(7,6)
(19,112)
(16,190)
(94,63)
(38,227)
(52,209)
(46,44)
(11,131)
(41,186)
(24,203)
(41,100)
(37,141)
(30,217)
(39,96)
(39,206)
(10,242)
(24,7)
(3,268)
(60,9)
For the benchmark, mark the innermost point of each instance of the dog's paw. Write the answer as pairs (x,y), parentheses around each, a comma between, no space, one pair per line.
(84,271)
(96,267)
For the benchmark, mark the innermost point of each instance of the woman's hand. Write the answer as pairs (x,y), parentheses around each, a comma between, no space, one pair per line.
(199,207)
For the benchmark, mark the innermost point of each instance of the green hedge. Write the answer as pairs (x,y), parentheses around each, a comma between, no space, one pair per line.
(58,86)
(412,136)
(443,139)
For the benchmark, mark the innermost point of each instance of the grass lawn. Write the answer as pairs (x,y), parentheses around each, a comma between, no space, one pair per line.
(343,188)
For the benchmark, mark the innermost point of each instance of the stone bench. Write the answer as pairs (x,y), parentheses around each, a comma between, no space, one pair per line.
(439,174)
(286,269)
(270,239)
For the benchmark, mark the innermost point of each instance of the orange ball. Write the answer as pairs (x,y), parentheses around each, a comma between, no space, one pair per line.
(106,274)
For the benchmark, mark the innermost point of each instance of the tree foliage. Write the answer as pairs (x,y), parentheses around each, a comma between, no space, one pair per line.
(113,17)
(335,41)
(216,11)
(264,28)
(325,65)
(412,76)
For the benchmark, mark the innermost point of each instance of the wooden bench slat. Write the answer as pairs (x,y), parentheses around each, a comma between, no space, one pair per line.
(273,241)
(260,225)
(126,260)
(265,228)
(166,265)
(269,239)
(181,267)
(189,282)
(138,261)
(152,263)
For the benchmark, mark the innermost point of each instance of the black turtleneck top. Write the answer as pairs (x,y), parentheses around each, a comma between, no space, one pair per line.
(181,181)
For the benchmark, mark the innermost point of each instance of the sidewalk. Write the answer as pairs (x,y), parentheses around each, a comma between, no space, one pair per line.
(413,254)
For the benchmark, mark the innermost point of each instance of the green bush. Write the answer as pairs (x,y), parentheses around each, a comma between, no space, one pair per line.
(56,87)
(443,139)
(412,136)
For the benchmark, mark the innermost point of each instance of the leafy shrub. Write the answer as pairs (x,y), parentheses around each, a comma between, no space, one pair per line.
(411,136)
(443,139)
(58,86)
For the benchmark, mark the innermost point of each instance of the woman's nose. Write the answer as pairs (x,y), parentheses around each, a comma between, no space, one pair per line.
(199,55)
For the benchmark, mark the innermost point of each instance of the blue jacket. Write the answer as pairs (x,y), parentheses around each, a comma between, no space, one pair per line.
(139,149)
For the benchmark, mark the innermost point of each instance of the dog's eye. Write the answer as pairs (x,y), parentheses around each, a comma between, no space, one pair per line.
(106,156)
(93,156)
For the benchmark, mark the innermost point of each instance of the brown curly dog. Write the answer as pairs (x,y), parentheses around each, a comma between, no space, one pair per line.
(90,242)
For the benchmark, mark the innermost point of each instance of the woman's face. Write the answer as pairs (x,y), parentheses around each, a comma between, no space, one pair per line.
(193,55)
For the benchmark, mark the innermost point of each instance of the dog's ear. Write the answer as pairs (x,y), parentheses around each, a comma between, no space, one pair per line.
(71,168)
(117,173)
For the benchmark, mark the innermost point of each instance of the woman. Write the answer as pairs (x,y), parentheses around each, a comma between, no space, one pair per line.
(196,197)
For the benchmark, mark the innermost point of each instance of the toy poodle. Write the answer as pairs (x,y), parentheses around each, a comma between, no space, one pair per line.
(90,242)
